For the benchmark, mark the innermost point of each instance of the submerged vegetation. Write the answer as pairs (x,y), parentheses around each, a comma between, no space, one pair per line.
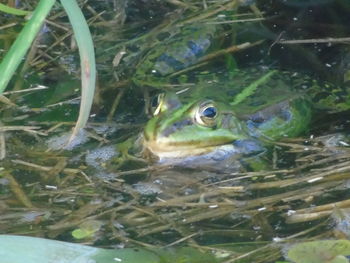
(98,190)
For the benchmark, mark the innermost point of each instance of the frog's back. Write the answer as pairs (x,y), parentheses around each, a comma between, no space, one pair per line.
(176,53)
(261,91)
(267,91)
(274,104)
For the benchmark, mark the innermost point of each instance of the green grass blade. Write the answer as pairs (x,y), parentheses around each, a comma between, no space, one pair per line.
(23,42)
(87,60)
(248,91)
(13,11)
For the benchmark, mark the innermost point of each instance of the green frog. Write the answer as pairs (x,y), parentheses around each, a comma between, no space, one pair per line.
(240,115)
(229,113)
(175,53)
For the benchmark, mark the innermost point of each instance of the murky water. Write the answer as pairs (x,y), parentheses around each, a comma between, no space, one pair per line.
(48,189)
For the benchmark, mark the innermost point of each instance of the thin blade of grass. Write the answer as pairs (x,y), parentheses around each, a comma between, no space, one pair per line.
(23,42)
(13,11)
(87,61)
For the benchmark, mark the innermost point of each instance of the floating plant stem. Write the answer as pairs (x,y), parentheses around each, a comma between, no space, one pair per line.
(87,60)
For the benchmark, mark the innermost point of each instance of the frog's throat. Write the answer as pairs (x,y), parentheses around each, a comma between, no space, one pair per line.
(178,150)
(165,151)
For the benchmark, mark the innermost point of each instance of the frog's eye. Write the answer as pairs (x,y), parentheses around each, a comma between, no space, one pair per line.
(156,104)
(206,114)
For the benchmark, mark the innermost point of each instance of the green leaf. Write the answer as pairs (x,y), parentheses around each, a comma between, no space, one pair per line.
(87,229)
(87,60)
(13,11)
(324,251)
(23,42)
(22,249)
(81,233)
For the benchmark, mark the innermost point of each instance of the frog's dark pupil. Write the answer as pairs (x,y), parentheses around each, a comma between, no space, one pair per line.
(209,112)
(155,101)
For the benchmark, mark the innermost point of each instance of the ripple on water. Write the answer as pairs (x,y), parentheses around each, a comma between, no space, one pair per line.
(61,141)
(97,157)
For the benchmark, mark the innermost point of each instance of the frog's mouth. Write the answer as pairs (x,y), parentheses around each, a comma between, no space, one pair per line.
(168,149)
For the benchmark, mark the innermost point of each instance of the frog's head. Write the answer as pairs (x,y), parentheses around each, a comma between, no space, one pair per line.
(183,125)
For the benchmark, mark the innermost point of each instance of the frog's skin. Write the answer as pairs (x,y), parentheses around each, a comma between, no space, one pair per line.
(238,115)
(234,115)
(173,54)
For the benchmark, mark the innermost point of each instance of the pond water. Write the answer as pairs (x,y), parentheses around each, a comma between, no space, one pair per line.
(102,189)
